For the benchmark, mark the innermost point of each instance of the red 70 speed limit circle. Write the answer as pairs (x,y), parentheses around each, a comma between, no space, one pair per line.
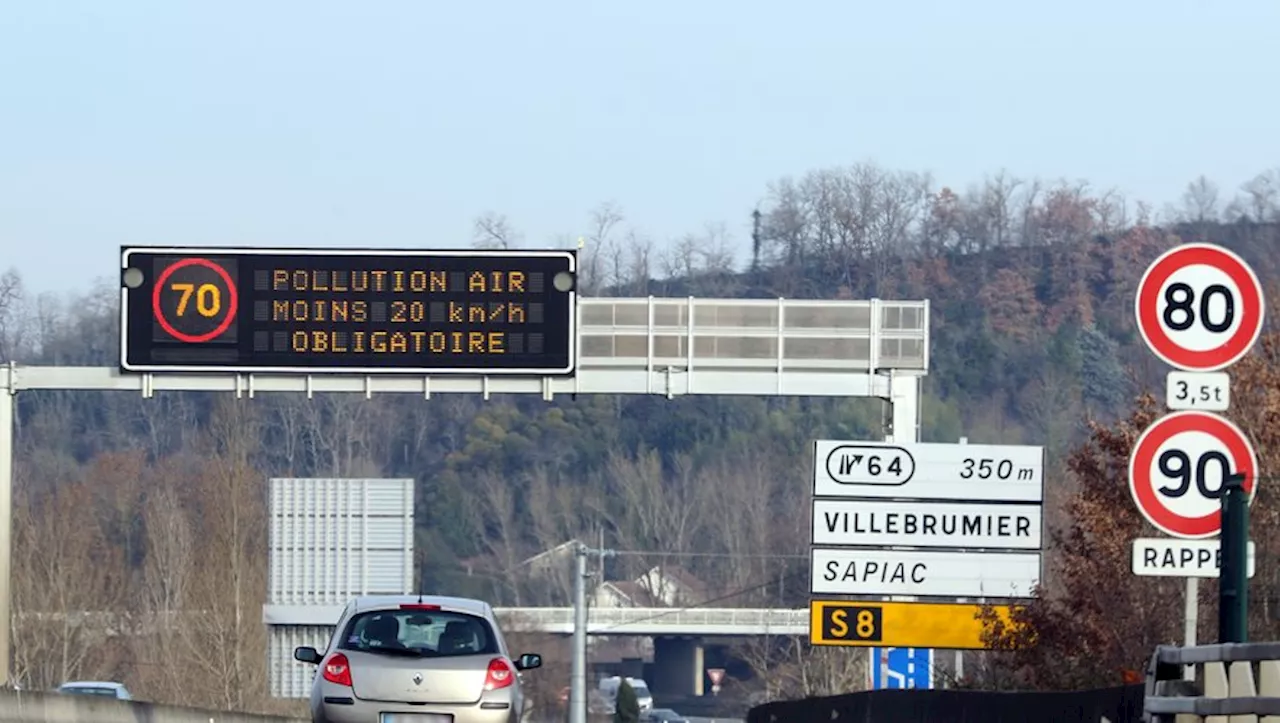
(1177,469)
(1199,307)
(227,312)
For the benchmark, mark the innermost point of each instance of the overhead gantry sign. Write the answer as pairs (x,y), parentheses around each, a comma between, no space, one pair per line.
(248,321)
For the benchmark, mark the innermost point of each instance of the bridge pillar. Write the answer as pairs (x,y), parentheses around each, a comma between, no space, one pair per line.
(677,666)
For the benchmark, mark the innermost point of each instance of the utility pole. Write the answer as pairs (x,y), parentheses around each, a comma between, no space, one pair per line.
(578,680)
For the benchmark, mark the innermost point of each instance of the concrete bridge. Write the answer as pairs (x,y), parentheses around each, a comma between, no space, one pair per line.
(698,622)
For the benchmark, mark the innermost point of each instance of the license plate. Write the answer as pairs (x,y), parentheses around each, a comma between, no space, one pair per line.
(415,718)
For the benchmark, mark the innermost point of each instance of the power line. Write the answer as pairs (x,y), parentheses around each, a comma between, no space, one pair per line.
(735,556)
(655,553)
(708,603)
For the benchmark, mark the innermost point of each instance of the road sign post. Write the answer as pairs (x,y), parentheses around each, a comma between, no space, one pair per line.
(1199,308)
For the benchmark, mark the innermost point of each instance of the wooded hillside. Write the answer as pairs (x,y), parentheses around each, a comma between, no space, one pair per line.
(1031,287)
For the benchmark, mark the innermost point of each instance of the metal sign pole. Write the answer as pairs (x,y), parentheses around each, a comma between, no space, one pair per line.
(1190,621)
(8,403)
(578,677)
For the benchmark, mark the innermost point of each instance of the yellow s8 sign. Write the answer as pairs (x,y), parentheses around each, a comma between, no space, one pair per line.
(848,622)
(947,626)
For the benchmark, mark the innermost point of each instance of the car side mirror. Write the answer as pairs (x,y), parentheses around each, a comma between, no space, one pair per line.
(307,655)
(529,661)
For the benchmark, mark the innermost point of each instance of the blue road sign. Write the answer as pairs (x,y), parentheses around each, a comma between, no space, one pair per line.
(901,668)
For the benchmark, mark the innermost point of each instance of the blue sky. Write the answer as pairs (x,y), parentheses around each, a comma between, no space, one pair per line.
(383,123)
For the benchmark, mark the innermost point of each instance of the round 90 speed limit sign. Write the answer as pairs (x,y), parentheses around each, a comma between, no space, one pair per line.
(1178,467)
(1199,307)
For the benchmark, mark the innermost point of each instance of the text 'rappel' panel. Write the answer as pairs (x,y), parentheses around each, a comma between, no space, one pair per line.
(926,471)
(927,573)
(900,624)
(1170,557)
(365,311)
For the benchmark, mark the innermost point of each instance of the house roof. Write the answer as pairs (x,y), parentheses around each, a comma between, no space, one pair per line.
(681,577)
(634,592)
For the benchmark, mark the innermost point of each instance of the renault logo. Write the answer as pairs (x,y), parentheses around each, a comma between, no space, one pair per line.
(417,678)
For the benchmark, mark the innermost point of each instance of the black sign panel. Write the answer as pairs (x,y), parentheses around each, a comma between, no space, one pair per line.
(367,312)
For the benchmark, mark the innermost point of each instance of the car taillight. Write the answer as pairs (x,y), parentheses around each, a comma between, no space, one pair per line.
(500,674)
(419,606)
(337,670)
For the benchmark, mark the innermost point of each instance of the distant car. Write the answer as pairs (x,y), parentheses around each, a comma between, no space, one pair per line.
(609,687)
(664,715)
(105,688)
(426,659)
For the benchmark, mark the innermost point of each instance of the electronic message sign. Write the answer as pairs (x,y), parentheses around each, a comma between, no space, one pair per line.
(347,311)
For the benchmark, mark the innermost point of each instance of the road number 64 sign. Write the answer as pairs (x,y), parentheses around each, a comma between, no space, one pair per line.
(1199,307)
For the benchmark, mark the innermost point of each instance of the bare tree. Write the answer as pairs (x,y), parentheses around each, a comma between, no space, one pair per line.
(167,581)
(650,510)
(341,434)
(705,262)
(792,669)
(601,246)
(496,507)
(492,230)
(756,520)
(559,513)
(1200,201)
(67,586)
(1260,201)
(225,634)
(637,268)
(14,326)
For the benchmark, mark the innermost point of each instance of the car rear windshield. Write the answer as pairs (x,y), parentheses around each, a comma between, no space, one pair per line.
(431,633)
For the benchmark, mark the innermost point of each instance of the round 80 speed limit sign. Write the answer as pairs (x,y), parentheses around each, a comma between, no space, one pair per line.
(1178,467)
(1199,307)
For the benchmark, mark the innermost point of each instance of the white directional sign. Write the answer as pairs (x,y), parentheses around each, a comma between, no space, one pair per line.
(924,573)
(924,471)
(876,523)
(1199,307)
(1205,391)
(1164,557)
(1177,469)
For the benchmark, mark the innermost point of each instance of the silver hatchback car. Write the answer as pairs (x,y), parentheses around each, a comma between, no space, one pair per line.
(417,659)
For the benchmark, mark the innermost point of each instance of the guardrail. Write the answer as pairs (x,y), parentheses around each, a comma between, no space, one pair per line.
(23,707)
(1104,705)
(1227,690)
